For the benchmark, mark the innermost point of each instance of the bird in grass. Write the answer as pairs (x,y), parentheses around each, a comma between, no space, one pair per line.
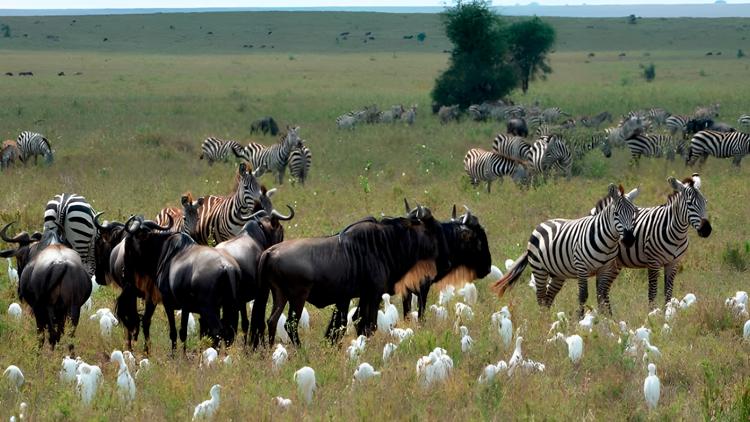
(441,314)
(746,330)
(388,350)
(356,347)
(87,381)
(687,301)
(14,375)
(364,372)
(208,357)
(652,387)
(69,369)
(12,273)
(469,293)
(125,383)
(466,340)
(208,408)
(305,379)
(402,334)
(14,311)
(282,402)
(279,357)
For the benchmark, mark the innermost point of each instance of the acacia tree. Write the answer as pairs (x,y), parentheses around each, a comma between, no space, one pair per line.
(530,42)
(478,70)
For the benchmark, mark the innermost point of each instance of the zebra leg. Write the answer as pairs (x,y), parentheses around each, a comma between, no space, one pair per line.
(653,276)
(670,270)
(604,281)
(583,294)
(553,289)
(737,160)
(540,282)
(489,183)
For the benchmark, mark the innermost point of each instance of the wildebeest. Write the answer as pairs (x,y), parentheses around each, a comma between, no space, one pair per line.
(265,125)
(8,73)
(517,127)
(260,233)
(365,260)
(9,154)
(52,280)
(188,276)
(25,73)
(468,252)
(61,74)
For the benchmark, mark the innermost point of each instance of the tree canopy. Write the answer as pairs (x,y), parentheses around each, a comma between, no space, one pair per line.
(530,43)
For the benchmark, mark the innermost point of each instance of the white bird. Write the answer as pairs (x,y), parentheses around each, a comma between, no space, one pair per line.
(129,359)
(560,324)
(402,334)
(281,330)
(464,311)
(304,320)
(469,293)
(390,309)
(414,301)
(746,330)
(434,368)
(282,402)
(125,383)
(350,320)
(651,387)
(22,408)
(495,273)
(106,322)
(364,372)
(388,350)
(87,305)
(69,368)
(14,375)
(101,312)
(356,347)
(466,340)
(441,314)
(208,408)
(517,357)
(651,353)
(575,347)
(192,327)
(488,374)
(642,333)
(506,330)
(446,295)
(227,360)
(143,366)
(94,284)
(508,264)
(671,309)
(587,323)
(687,301)
(14,311)
(279,357)
(208,357)
(666,329)
(12,273)
(741,297)
(87,381)
(305,378)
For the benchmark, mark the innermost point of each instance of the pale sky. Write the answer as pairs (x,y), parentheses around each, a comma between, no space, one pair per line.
(137,4)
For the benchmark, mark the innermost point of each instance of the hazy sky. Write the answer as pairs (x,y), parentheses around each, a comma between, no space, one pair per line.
(127,4)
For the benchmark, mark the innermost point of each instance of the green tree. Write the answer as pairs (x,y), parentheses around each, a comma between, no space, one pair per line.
(478,69)
(5,29)
(649,72)
(421,36)
(530,42)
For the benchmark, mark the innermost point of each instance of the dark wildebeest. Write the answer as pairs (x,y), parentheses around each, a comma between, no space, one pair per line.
(468,252)
(260,233)
(188,276)
(25,73)
(8,73)
(365,260)
(265,125)
(517,127)
(52,280)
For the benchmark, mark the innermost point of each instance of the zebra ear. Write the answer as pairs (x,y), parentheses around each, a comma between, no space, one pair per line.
(633,193)
(676,186)
(243,168)
(200,201)
(184,201)
(613,191)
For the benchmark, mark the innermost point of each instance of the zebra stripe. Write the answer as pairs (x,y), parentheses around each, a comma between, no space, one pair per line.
(487,166)
(300,161)
(178,223)
(34,144)
(215,149)
(76,218)
(513,147)
(410,115)
(549,153)
(275,157)
(718,144)
(677,124)
(744,120)
(600,141)
(650,146)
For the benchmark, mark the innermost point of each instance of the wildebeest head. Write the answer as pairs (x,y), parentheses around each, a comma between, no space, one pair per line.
(28,246)
(694,205)
(109,235)
(469,250)
(431,232)
(143,244)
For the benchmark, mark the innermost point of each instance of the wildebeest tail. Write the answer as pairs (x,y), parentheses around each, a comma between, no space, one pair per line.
(228,291)
(506,282)
(258,316)
(126,307)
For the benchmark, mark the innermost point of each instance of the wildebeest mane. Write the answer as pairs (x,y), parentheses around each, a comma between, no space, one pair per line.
(171,246)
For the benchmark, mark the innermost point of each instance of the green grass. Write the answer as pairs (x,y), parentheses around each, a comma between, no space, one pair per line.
(127,135)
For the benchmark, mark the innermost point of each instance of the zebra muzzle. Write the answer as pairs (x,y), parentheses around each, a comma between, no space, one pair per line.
(628,238)
(705,228)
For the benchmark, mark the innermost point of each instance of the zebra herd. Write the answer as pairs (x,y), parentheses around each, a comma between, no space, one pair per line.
(290,151)
(27,145)
(371,114)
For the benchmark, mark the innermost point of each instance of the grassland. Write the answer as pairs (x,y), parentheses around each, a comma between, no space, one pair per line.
(127,133)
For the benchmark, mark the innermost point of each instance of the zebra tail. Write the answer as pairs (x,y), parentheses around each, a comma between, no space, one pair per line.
(506,282)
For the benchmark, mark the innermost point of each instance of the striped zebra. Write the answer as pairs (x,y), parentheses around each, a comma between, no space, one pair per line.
(583,147)
(349,120)
(661,238)
(513,147)
(178,224)
(486,166)
(549,153)
(300,161)
(677,123)
(275,157)
(718,144)
(34,144)
(650,146)
(72,218)
(744,121)
(410,115)
(390,116)
(546,130)
(657,115)
(560,249)
(597,120)
(215,149)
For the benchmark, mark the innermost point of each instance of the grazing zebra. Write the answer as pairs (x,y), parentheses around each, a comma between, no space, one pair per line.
(487,166)
(657,115)
(677,123)
(410,115)
(349,120)
(661,239)
(718,144)
(477,113)
(72,218)
(744,120)
(513,147)
(551,152)
(391,115)
(560,249)
(546,130)
(447,114)
(275,157)
(650,146)
(300,161)
(9,154)
(600,141)
(596,120)
(215,149)
(33,144)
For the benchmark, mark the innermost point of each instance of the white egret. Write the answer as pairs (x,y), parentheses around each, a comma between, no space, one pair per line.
(651,387)
(305,378)
(279,357)
(68,370)
(125,383)
(388,350)
(402,334)
(208,357)
(364,372)
(469,293)
(282,402)
(208,408)
(466,340)
(87,381)
(14,375)
(14,311)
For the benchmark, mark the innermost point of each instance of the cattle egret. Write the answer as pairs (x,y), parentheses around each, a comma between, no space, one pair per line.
(517,357)
(530,365)
(87,381)
(281,330)
(464,311)
(14,311)
(666,329)
(575,347)
(414,301)
(441,314)
(356,347)
(208,408)
(643,333)
(304,320)
(651,353)
(402,334)
(279,357)
(495,273)
(651,387)
(125,383)
(12,273)
(101,312)
(282,402)
(208,357)
(390,309)
(434,368)
(22,408)
(654,313)
(388,350)
(143,366)
(587,323)
(746,330)
(106,322)
(192,327)
(466,340)
(350,320)
(488,374)
(14,376)
(687,301)
(446,295)
(364,372)
(741,297)
(69,368)
(305,378)
(469,293)
(227,360)
(508,264)
(129,359)
(94,284)
(506,330)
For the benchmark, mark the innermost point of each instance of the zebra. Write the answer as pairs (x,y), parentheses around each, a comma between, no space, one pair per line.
(550,152)
(657,115)
(596,120)
(487,166)
(300,161)
(744,120)
(349,120)
(33,144)
(718,144)
(513,147)
(546,130)
(178,224)
(677,123)
(559,249)
(410,115)
(661,238)
(449,113)
(275,157)
(477,113)
(650,146)
(72,218)
(391,115)
(595,141)
(215,149)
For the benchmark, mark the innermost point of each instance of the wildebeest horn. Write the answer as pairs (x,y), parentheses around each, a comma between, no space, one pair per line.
(466,216)
(96,222)
(18,239)
(406,205)
(256,214)
(284,217)
(453,214)
(270,192)
(151,225)
(130,220)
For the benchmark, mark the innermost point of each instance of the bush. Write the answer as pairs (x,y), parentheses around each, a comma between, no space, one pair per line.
(737,257)
(421,36)
(649,72)
(740,54)
(5,29)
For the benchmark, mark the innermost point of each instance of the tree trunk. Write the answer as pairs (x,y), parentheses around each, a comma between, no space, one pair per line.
(524,84)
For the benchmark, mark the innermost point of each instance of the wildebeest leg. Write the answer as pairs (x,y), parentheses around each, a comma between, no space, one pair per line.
(424,290)
(147,315)
(292,322)
(368,315)
(331,330)
(279,302)
(229,322)
(184,317)
(406,303)
(340,330)
(75,316)
(213,326)
(245,322)
(40,315)
(172,327)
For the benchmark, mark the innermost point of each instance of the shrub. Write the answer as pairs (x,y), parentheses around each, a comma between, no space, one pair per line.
(649,72)
(737,257)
